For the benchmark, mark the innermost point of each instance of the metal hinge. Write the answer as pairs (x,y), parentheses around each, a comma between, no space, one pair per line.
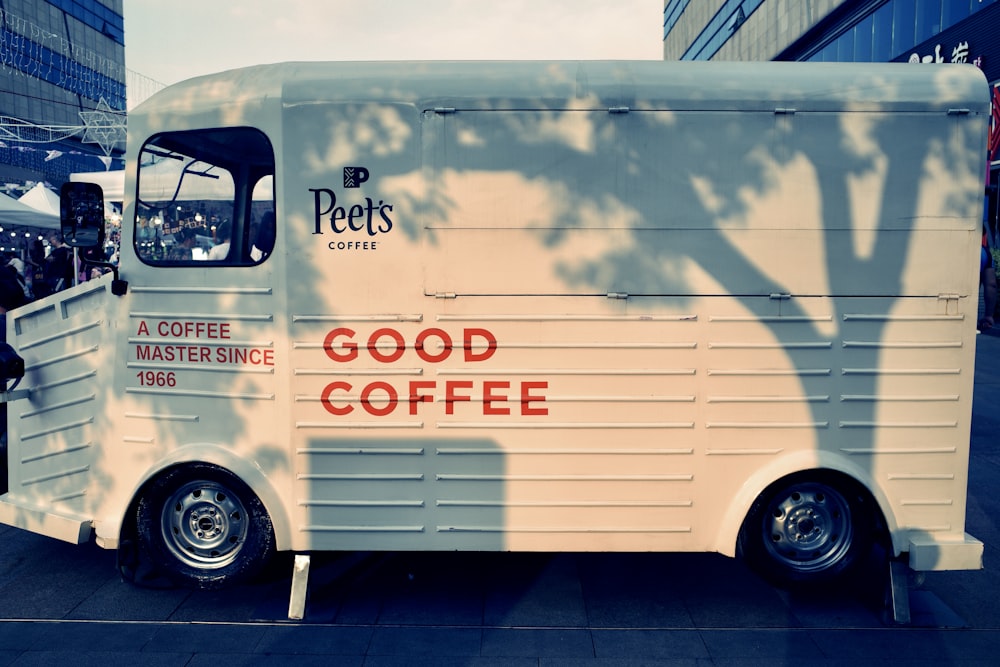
(618,109)
(784,111)
(959,112)
(617,295)
(445,295)
(444,110)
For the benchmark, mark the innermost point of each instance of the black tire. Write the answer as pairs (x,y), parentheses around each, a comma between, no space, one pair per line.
(202,527)
(809,529)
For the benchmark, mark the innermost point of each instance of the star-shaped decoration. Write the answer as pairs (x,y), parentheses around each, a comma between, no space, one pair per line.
(104,126)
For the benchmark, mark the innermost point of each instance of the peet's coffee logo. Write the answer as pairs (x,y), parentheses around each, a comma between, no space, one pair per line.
(360,216)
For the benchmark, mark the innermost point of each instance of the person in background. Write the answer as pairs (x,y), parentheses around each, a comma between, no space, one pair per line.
(262,236)
(58,265)
(17,266)
(221,250)
(11,296)
(184,242)
(36,269)
(988,280)
(14,262)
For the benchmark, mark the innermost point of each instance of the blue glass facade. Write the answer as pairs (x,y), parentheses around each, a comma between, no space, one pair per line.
(892,29)
(726,21)
(59,70)
(94,15)
(58,58)
(857,31)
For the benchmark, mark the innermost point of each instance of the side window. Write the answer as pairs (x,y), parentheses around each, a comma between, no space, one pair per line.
(206,197)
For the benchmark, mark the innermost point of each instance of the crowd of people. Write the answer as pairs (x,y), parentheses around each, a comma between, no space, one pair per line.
(44,270)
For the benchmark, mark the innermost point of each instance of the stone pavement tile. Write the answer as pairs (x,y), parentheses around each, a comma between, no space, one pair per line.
(649,644)
(538,642)
(799,661)
(721,592)
(453,661)
(975,593)
(426,642)
(928,611)
(230,605)
(625,662)
(332,578)
(792,661)
(740,610)
(315,639)
(448,608)
(57,589)
(119,600)
(535,590)
(618,609)
(207,637)
(22,635)
(275,660)
(774,644)
(353,590)
(100,635)
(839,612)
(624,590)
(58,636)
(944,646)
(356,609)
(101,659)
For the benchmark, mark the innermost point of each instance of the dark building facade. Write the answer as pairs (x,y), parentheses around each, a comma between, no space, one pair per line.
(62,89)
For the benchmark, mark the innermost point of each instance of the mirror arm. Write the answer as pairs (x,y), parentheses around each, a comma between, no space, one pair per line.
(119,287)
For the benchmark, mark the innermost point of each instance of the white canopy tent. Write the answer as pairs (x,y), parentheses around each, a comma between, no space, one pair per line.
(41,199)
(14,213)
(111,182)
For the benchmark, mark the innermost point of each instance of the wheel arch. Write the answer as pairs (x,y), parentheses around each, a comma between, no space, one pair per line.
(217,456)
(727,536)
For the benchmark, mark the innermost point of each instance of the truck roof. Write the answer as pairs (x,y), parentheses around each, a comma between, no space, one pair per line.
(578,85)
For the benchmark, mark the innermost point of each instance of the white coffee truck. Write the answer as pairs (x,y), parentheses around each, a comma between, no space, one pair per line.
(526,306)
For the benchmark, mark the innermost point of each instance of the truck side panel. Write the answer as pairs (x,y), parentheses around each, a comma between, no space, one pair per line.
(55,448)
(587,330)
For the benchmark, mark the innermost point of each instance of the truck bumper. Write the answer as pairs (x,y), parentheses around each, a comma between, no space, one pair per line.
(962,552)
(68,528)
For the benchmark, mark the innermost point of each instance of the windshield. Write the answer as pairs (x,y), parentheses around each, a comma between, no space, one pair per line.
(206,196)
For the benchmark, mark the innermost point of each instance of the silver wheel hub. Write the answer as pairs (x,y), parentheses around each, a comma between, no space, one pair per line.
(809,527)
(204,525)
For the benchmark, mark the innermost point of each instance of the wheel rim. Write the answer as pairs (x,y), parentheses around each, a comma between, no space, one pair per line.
(808,528)
(204,525)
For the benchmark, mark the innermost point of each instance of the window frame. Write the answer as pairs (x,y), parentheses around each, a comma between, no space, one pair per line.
(245,155)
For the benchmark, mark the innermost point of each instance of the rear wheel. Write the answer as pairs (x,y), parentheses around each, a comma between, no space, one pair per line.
(809,529)
(203,527)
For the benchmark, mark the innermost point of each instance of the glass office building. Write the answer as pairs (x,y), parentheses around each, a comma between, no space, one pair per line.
(62,89)
(887,31)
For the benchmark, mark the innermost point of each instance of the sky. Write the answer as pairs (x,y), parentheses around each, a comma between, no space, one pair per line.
(171,41)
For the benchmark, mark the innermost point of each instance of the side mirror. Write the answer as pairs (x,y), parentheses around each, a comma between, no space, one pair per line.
(81,212)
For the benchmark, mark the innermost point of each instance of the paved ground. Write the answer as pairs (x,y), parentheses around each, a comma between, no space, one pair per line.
(65,604)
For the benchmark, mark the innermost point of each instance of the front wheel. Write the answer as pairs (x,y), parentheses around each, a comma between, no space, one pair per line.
(203,527)
(808,529)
